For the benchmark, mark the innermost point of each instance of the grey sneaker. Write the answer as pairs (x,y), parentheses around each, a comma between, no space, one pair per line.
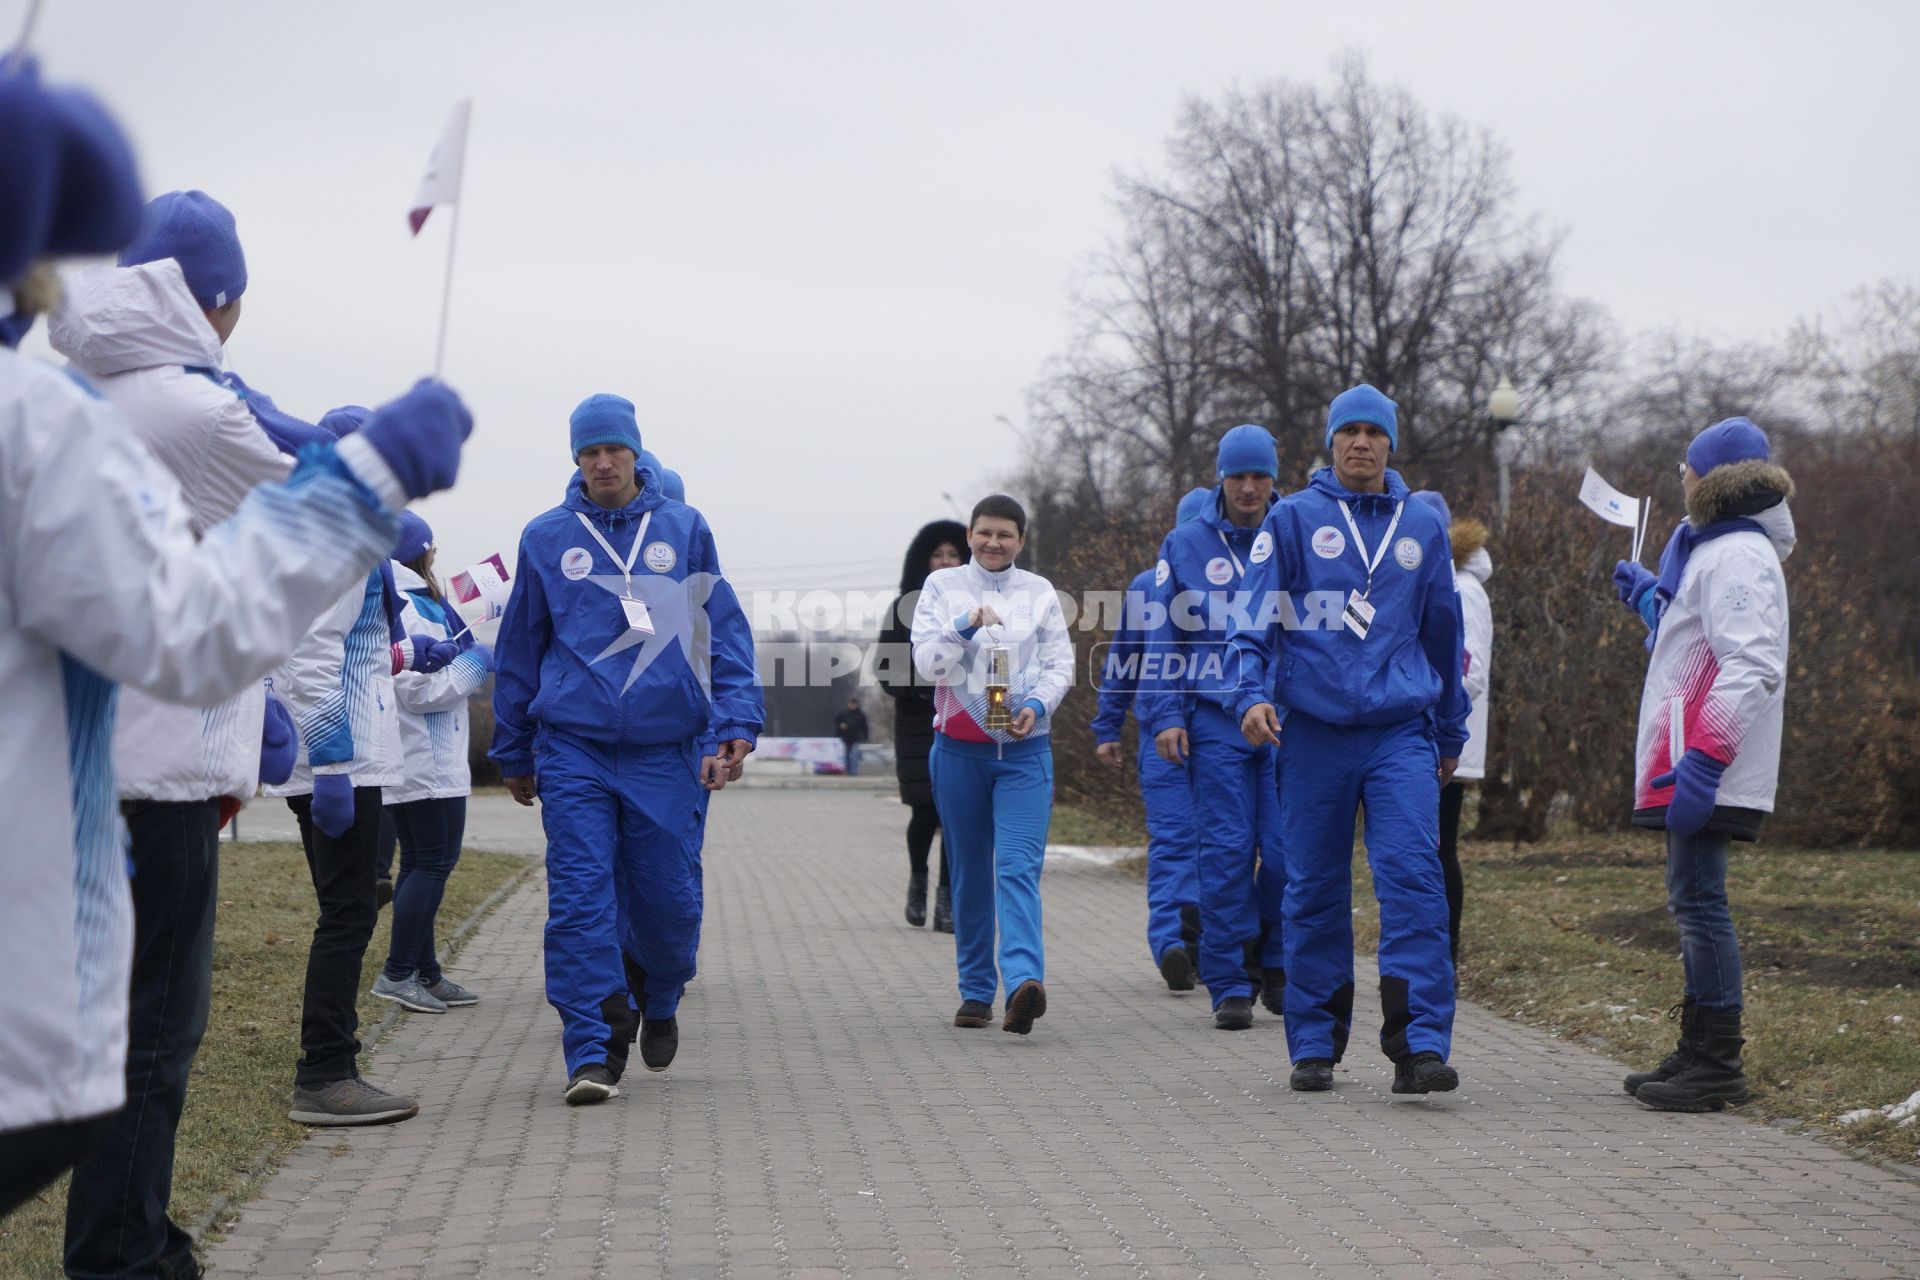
(451,994)
(348,1102)
(408,994)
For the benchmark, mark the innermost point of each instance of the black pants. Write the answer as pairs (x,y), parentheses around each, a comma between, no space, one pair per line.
(389,841)
(117,1222)
(922,826)
(31,1158)
(1452,796)
(343,876)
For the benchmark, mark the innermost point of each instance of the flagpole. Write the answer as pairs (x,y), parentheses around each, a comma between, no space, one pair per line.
(453,238)
(26,32)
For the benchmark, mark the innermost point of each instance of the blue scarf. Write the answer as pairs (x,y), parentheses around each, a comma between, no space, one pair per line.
(1673,561)
(288,433)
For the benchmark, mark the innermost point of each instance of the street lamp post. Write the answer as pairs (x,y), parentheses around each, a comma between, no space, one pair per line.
(1503,406)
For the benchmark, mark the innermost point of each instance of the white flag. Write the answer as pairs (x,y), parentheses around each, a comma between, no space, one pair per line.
(1608,502)
(442,183)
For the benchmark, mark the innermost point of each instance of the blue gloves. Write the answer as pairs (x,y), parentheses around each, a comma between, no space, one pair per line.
(420,653)
(1696,783)
(333,803)
(1631,580)
(419,436)
(279,743)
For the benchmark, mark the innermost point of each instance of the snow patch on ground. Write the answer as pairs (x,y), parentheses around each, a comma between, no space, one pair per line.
(1901,1113)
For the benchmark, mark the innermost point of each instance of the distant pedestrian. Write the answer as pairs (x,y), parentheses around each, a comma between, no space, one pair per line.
(1711,716)
(994,640)
(850,726)
(939,545)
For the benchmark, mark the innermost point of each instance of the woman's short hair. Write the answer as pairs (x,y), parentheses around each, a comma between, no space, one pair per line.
(1000,506)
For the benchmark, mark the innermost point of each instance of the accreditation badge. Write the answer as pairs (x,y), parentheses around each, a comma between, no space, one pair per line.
(637,617)
(1358,615)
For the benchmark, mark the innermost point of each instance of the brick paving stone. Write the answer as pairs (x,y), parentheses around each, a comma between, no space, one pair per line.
(823,1118)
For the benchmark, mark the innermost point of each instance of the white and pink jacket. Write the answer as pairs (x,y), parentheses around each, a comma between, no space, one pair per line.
(1718,676)
(1032,626)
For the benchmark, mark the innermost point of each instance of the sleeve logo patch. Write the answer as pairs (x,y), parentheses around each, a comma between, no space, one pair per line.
(1328,542)
(1161,571)
(1407,552)
(576,563)
(659,557)
(1737,597)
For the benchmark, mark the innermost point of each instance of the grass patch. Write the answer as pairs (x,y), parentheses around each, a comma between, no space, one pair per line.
(235,1121)
(1074,824)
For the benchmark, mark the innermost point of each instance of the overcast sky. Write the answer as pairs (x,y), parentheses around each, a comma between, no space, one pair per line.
(825,247)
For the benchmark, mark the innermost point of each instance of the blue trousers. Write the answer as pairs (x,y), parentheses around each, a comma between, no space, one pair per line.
(1697,897)
(1326,772)
(995,805)
(624,901)
(429,833)
(1173,846)
(1242,875)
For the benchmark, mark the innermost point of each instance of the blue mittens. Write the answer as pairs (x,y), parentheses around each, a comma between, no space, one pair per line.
(333,803)
(1696,785)
(419,436)
(279,743)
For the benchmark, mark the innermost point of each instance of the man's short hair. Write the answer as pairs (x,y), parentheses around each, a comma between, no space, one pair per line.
(1000,506)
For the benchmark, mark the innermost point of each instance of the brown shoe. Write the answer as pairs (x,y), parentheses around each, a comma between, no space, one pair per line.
(973,1014)
(1028,1002)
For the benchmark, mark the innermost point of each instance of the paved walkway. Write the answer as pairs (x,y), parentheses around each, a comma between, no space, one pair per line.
(823,1119)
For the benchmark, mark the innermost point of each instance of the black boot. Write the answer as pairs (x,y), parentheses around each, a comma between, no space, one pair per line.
(1713,1079)
(1190,929)
(1273,991)
(943,910)
(917,898)
(1676,1062)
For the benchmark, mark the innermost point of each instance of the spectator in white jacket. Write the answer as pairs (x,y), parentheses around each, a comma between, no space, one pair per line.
(428,806)
(1472,566)
(103,584)
(1711,716)
(992,759)
(148,334)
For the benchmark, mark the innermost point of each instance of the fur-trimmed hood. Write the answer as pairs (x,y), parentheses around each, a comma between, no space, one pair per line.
(913,572)
(1756,489)
(1468,536)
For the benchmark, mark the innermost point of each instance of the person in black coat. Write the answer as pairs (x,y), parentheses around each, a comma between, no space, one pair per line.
(939,545)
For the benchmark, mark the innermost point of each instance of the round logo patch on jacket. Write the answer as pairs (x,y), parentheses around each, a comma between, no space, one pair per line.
(1262,547)
(1219,572)
(1160,572)
(659,557)
(576,563)
(1328,542)
(1407,552)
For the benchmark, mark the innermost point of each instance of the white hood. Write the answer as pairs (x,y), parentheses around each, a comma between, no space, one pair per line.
(1777,522)
(114,319)
(1479,564)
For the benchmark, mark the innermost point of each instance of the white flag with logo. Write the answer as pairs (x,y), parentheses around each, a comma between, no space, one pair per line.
(442,183)
(1608,502)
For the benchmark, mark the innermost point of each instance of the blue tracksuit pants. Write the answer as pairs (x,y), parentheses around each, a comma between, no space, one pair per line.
(995,804)
(1326,772)
(624,827)
(1242,877)
(1173,845)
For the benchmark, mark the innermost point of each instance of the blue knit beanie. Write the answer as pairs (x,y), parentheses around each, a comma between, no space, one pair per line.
(67,178)
(672,485)
(345,420)
(605,419)
(1432,498)
(196,231)
(1364,403)
(415,536)
(1733,440)
(1197,505)
(1247,448)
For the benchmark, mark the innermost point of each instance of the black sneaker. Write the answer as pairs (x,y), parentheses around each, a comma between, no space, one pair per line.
(1028,1002)
(1176,966)
(1234,1014)
(1424,1073)
(591,1083)
(1312,1075)
(659,1041)
(973,1013)
(1273,991)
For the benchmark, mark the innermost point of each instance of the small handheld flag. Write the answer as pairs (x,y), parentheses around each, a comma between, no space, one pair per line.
(1616,507)
(441,185)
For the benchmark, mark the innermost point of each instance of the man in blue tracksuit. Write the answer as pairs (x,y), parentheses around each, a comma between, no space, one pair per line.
(624,690)
(1198,586)
(1173,886)
(1358,645)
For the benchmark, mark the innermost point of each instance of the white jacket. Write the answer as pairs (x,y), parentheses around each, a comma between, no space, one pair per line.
(1717,679)
(134,331)
(339,686)
(102,582)
(433,706)
(1032,627)
(1477,612)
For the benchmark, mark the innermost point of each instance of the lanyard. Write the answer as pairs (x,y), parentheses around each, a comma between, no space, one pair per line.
(1237,566)
(1360,545)
(626,566)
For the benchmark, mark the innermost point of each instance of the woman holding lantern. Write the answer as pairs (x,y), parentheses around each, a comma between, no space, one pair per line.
(993,641)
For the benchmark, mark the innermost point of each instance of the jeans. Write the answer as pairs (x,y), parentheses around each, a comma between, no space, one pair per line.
(32,1158)
(430,832)
(383,852)
(117,1223)
(853,759)
(343,874)
(1697,897)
